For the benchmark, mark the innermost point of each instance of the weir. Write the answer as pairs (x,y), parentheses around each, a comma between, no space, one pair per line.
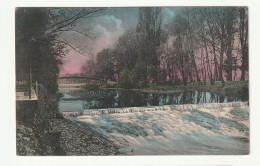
(182,107)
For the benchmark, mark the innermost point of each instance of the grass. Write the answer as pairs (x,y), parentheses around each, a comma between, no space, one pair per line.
(231,88)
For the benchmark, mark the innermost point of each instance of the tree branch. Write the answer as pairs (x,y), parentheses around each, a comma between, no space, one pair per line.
(66,22)
(66,43)
(66,30)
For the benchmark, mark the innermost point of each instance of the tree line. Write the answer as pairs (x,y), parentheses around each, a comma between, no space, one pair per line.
(197,45)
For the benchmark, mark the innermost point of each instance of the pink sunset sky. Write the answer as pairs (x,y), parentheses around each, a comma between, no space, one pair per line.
(104,31)
(72,63)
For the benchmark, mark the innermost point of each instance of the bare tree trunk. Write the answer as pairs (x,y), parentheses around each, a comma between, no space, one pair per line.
(195,67)
(215,61)
(229,60)
(214,50)
(243,36)
(203,70)
(183,73)
(221,57)
(230,15)
(208,64)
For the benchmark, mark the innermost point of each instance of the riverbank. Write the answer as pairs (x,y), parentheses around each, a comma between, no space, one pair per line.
(48,133)
(63,138)
(230,87)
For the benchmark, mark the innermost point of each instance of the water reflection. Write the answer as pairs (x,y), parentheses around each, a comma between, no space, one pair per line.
(127,98)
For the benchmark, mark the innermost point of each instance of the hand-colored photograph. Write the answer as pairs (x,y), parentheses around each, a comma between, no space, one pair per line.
(129,81)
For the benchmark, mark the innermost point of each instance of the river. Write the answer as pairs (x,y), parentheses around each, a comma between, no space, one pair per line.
(171,131)
(79,100)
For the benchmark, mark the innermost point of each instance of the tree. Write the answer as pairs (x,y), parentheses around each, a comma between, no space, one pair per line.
(125,78)
(138,73)
(243,37)
(182,47)
(207,34)
(230,21)
(127,50)
(221,33)
(150,35)
(89,67)
(35,50)
(209,17)
(105,64)
(192,40)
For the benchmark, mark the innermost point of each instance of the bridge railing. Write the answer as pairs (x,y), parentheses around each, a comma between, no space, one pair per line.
(25,87)
(22,82)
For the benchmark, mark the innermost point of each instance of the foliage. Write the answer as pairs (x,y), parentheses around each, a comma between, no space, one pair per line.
(125,79)
(35,50)
(89,67)
(138,73)
(197,45)
(38,47)
(91,87)
(105,64)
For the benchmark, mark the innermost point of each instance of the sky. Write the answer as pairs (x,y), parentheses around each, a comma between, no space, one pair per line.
(104,32)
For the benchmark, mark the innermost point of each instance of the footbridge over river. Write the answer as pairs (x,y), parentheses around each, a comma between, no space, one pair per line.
(77,81)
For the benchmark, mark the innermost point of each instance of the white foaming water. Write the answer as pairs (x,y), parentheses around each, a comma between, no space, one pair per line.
(167,130)
(154,108)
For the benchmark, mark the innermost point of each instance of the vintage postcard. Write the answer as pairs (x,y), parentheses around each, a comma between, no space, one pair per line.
(129,81)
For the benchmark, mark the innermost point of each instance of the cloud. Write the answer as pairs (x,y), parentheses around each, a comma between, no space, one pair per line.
(109,31)
(167,14)
(106,29)
(168,11)
(113,23)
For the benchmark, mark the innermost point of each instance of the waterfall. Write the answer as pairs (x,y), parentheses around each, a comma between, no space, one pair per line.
(183,107)
(73,114)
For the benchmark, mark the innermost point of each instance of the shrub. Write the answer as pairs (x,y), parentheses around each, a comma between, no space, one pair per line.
(125,79)
(91,87)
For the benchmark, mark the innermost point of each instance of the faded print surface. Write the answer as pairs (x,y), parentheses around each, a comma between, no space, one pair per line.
(132,81)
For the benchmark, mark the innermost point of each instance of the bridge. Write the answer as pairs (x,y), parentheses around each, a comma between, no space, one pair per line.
(77,81)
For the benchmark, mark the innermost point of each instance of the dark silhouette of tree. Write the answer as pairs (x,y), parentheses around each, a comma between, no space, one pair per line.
(105,64)
(198,44)
(243,36)
(230,21)
(150,35)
